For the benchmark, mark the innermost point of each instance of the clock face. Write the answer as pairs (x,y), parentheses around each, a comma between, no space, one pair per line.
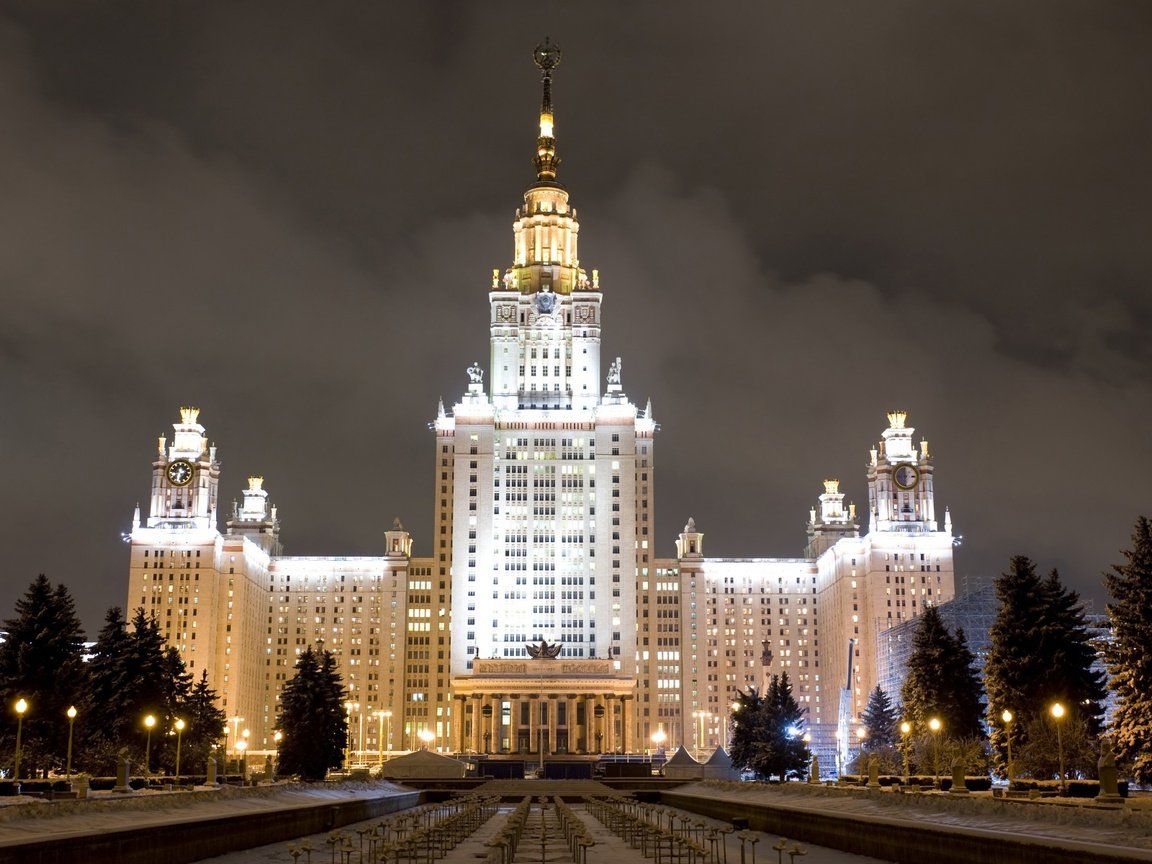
(905,476)
(180,472)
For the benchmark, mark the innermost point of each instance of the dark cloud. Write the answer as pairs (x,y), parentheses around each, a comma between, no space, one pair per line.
(803,214)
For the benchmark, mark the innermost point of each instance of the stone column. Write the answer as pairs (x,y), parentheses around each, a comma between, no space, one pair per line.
(599,722)
(486,720)
(497,722)
(460,713)
(582,729)
(570,723)
(552,703)
(514,723)
(477,740)
(609,723)
(625,725)
(533,723)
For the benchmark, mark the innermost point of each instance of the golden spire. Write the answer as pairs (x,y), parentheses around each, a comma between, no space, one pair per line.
(547,57)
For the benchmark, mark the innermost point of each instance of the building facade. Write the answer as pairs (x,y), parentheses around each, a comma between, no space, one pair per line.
(543,619)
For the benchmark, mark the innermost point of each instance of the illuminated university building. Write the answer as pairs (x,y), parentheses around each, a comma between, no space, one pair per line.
(543,618)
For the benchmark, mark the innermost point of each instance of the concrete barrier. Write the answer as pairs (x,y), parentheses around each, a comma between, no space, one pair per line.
(182,841)
(901,841)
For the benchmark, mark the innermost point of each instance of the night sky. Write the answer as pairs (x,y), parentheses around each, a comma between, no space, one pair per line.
(803,214)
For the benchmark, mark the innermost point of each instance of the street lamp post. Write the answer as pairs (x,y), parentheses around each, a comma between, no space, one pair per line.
(935,725)
(21,707)
(71,712)
(277,737)
(906,730)
(379,715)
(427,736)
(360,740)
(149,722)
(1058,716)
(235,721)
(241,747)
(349,707)
(659,737)
(701,719)
(388,717)
(179,740)
(1006,716)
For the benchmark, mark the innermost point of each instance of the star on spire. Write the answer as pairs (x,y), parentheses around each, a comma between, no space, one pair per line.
(547,57)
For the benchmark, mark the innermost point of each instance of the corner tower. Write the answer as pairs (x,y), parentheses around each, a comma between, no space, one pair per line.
(901,496)
(185,477)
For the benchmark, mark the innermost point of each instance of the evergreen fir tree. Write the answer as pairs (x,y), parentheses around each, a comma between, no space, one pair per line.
(41,660)
(940,681)
(1067,642)
(204,724)
(1040,653)
(881,721)
(99,731)
(312,717)
(783,753)
(131,677)
(1129,654)
(767,732)
(966,711)
(1014,658)
(747,728)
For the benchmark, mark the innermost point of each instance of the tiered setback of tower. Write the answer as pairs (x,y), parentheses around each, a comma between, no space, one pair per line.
(543,532)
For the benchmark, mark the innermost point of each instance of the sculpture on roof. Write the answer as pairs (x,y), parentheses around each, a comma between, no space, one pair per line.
(544,651)
(614,372)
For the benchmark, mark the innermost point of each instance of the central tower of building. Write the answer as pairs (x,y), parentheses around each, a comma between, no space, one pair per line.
(544,481)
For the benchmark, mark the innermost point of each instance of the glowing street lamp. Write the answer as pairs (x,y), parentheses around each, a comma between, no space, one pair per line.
(21,706)
(179,736)
(149,722)
(659,737)
(235,721)
(71,712)
(1006,716)
(906,730)
(1058,716)
(388,717)
(427,736)
(935,725)
(277,737)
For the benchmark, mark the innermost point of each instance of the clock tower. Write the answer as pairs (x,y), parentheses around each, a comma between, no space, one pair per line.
(900,485)
(185,477)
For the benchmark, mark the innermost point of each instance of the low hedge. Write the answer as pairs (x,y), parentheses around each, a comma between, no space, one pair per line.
(978,783)
(1075,788)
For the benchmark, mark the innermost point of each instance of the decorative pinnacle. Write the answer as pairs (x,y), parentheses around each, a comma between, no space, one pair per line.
(546,57)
